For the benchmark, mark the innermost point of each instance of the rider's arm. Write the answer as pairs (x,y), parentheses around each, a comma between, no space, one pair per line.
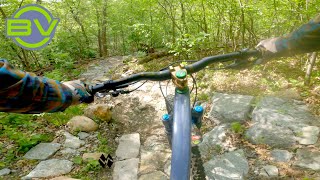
(24,92)
(305,39)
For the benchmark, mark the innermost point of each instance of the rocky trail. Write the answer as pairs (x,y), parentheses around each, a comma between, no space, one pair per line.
(246,137)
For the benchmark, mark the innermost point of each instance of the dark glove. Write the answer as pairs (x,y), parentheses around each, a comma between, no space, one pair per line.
(80,92)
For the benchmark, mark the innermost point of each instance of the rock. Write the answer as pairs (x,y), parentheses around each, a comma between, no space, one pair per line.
(94,156)
(83,135)
(5,171)
(157,175)
(99,111)
(155,143)
(273,136)
(126,170)
(308,159)
(152,160)
(63,178)
(308,135)
(227,108)
(167,167)
(82,123)
(232,165)
(269,171)
(129,146)
(42,151)
(213,141)
(283,113)
(72,141)
(69,151)
(278,155)
(51,167)
(279,123)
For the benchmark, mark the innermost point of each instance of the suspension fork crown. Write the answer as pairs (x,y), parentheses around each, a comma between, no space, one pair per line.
(179,78)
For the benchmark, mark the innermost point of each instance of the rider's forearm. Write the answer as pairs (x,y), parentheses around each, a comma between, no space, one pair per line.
(303,40)
(24,92)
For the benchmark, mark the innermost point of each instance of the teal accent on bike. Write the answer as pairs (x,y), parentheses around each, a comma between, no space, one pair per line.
(166,117)
(198,109)
(181,74)
(183,91)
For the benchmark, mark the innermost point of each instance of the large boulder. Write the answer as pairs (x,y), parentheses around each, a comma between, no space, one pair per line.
(228,108)
(280,123)
(271,135)
(101,112)
(82,123)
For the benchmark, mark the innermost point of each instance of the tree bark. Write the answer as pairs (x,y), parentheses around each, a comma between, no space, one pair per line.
(104,29)
(311,61)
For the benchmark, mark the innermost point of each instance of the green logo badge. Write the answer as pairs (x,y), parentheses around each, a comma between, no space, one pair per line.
(31,27)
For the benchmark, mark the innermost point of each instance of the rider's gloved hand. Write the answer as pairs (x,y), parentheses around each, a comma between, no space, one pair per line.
(268,49)
(80,92)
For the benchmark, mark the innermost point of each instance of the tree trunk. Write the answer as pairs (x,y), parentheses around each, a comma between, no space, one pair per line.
(311,61)
(242,25)
(99,33)
(77,19)
(104,30)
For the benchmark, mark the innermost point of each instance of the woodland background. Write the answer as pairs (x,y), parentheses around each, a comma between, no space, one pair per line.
(186,28)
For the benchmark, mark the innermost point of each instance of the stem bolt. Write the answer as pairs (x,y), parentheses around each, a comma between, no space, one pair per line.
(181,74)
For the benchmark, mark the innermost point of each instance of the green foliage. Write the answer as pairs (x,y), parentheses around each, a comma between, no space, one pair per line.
(13,128)
(187,45)
(92,165)
(103,144)
(77,160)
(61,118)
(203,97)
(237,128)
(55,74)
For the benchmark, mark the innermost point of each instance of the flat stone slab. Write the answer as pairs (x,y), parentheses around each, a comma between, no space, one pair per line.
(307,159)
(42,151)
(51,167)
(72,141)
(5,171)
(229,166)
(129,146)
(278,155)
(269,171)
(126,169)
(228,108)
(157,175)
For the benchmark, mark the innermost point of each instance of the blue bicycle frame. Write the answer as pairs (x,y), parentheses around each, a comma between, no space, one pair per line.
(181,137)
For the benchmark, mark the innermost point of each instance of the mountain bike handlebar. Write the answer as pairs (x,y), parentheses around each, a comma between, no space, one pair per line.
(165,74)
